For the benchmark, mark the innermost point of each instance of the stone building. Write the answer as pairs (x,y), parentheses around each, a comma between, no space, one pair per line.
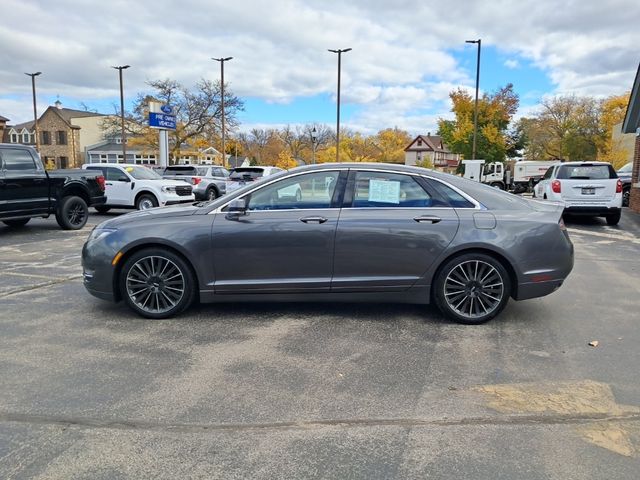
(64,134)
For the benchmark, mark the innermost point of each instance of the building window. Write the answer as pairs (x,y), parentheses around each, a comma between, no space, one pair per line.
(46,137)
(419,142)
(26,138)
(64,162)
(14,138)
(61,137)
(104,158)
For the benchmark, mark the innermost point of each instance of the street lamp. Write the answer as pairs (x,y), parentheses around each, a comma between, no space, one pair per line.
(339,52)
(314,140)
(222,60)
(35,114)
(475,110)
(124,139)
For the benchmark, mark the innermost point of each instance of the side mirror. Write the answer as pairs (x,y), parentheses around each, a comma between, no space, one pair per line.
(237,208)
(123,179)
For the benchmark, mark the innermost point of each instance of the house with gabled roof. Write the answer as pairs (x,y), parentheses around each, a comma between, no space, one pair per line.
(64,134)
(431,149)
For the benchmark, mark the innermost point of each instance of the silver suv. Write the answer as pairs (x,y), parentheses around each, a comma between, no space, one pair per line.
(208,181)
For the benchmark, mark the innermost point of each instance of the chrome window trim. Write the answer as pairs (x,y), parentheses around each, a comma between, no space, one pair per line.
(477,205)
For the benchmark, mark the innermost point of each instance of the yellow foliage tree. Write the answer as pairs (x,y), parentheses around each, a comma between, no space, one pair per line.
(612,112)
(285,160)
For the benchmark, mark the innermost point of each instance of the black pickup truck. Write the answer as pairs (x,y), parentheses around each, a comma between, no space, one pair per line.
(27,190)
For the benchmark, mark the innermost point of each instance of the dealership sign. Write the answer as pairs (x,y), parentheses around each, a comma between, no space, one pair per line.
(161,116)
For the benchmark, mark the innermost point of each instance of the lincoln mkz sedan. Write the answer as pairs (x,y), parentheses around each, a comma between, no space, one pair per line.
(336,232)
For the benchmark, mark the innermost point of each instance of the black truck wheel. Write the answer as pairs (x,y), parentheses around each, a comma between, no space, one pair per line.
(72,213)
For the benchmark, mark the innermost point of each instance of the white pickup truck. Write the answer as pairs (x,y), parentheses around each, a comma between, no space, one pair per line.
(136,186)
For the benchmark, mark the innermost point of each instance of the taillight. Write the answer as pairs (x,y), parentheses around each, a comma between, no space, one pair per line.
(100,180)
(196,180)
(619,186)
(556,186)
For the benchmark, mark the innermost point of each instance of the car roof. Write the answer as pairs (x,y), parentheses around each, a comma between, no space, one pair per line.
(113,165)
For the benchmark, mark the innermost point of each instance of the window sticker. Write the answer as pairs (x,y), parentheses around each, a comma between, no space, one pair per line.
(384,191)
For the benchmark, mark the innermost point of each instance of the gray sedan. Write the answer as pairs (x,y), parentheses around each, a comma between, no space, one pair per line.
(336,232)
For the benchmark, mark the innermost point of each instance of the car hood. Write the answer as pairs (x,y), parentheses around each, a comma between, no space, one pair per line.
(155,213)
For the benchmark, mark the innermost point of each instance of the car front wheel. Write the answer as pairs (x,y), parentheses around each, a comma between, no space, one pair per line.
(146,201)
(157,283)
(472,288)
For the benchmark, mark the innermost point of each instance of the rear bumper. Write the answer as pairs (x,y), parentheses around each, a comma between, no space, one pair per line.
(101,200)
(591,210)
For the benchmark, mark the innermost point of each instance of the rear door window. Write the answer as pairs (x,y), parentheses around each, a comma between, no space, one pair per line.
(381,189)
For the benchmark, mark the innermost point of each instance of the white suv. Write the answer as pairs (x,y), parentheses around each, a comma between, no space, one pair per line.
(585,188)
(136,186)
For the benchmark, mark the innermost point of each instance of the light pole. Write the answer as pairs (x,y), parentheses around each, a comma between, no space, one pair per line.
(35,113)
(124,139)
(222,60)
(314,139)
(339,52)
(475,110)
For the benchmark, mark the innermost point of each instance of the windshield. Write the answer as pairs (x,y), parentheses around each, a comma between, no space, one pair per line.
(142,173)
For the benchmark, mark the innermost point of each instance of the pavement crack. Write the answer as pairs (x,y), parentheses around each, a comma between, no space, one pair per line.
(39,285)
(347,423)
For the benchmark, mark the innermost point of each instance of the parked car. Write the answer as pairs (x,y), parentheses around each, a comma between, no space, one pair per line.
(585,188)
(27,190)
(624,174)
(136,186)
(241,176)
(358,232)
(209,181)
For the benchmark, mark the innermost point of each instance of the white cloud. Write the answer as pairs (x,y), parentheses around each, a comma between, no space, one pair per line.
(400,71)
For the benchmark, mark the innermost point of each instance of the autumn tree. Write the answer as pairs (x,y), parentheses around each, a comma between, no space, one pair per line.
(391,143)
(495,111)
(612,112)
(197,110)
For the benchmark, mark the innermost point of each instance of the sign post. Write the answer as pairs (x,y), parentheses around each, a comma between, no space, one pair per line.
(162,118)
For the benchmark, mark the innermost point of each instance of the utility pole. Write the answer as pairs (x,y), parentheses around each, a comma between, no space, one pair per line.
(124,138)
(222,60)
(339,52)
(35,112)
(475,110)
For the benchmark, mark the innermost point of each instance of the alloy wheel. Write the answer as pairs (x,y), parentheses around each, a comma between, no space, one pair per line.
(76,214)
(474,289)
(155,284)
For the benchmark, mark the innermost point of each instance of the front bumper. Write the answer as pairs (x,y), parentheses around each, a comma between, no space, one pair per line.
(177,202)
(97,271)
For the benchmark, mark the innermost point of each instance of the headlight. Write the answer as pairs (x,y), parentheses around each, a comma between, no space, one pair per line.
(169,189)
(99,233)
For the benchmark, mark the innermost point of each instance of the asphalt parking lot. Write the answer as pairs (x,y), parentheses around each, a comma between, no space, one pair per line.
(88,390)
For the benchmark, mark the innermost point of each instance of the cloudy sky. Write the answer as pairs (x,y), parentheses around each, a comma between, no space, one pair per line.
(407,54)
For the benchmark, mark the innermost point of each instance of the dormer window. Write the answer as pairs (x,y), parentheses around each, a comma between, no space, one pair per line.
(419,142)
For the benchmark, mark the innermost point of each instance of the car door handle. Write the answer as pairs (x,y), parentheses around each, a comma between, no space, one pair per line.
(427,218)
(313,219)
(108,183)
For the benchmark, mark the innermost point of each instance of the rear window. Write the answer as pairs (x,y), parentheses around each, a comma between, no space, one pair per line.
(180,170)
(586,172)
(246,173)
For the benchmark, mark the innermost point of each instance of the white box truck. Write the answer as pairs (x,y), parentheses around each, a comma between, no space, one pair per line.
(517,177)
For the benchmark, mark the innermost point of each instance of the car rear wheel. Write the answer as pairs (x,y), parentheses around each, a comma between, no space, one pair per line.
(626,194)
(211,193)
(72,213)
(472,288)
(613,219)
(157,283)
(146,201)
(18,222)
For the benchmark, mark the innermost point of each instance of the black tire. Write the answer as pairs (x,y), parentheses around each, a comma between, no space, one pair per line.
(626,195)
(18,222)
(211,194)
(497,185)
(474,280)
(72,213)
(613,219)
(102,209)
(146,201)
(157,295)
